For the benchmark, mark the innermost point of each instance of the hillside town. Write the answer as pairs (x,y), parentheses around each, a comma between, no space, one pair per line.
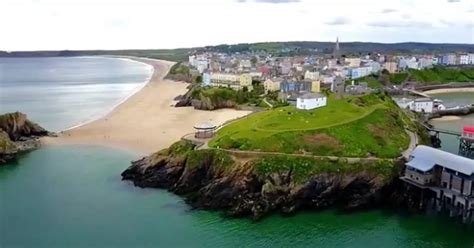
(295,77)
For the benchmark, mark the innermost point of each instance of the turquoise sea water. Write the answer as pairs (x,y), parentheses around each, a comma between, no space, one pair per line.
(72,196)
(450,143)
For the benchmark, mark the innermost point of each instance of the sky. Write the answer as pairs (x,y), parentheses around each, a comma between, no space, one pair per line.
(156,24)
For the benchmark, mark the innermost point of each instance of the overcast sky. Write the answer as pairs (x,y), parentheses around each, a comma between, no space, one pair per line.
(140,24)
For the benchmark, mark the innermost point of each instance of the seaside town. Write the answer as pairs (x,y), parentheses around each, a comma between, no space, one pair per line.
(302,78)
(237,123)
(446,179)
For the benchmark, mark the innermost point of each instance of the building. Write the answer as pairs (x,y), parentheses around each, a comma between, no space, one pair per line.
(352,62)
(448,177)
(425,63)
(294,86)
(464,59)
(420,105)
(316,86)
(423,105)
(245,63)
(201,65)
(471,58)
(390,67)
(410,63)
(204,130)
(310,101)
(310,76)
(245,80)
(271,85)
(234,81)
(206,79)
(359,72)
(451,59)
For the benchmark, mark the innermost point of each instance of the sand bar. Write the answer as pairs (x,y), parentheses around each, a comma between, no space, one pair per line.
(449,90)
(447,118)
(147,121)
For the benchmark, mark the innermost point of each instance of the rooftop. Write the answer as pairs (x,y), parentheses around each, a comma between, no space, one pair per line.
(425,158)
(205,125)
(311,95)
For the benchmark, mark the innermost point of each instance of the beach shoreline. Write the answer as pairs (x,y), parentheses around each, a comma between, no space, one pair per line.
(133,92)
(449,90)
(146,121)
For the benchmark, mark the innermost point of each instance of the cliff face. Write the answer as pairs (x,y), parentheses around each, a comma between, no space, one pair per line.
(16,125)
(203,102)
(213,180)
(18,134)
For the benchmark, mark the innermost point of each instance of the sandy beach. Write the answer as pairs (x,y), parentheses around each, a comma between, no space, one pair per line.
(147,121)
(448,90)
(447,118)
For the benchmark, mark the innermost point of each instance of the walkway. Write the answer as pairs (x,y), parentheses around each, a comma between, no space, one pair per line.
(417,93)
(412,145)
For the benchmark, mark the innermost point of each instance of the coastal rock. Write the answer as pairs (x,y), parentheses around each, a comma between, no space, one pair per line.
(18,134)
(8,149)
(17,125)
(203,102)
(208,184)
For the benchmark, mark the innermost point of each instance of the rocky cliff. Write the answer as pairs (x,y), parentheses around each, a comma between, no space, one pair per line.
(18,134)
(248,185)
(209,100)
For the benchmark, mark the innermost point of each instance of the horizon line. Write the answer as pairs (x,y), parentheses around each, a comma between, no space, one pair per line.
(233,44)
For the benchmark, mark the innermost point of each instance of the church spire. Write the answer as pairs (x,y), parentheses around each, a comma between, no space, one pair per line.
(337,51)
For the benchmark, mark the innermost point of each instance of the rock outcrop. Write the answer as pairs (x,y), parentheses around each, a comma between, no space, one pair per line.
(208,182)
(18,134)
(203,102)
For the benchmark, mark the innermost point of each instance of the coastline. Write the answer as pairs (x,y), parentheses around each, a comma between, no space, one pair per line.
(449,90)
(147,120)
(133,92)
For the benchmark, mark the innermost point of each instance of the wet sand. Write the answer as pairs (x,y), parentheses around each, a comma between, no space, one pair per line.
(449,90)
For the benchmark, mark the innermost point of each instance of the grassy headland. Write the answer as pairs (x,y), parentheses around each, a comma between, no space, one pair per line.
(362,126)
(432,76)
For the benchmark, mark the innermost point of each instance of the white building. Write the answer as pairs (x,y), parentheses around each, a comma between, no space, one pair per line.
(421,105)
(425,63)
(311,101)
(464,59)
(201,65)
(471,58)
(311,75)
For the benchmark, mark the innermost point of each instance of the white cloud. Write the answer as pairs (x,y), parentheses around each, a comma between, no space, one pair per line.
(120,24)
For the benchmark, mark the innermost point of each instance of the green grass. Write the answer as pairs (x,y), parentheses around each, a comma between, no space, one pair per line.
(398,78)
(442,75)
(351,127)
(218,159)
(303,168)
(371,81)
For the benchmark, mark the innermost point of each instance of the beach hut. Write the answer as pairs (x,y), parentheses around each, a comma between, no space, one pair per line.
(204,130)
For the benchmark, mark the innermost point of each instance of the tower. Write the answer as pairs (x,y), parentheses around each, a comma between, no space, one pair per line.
(337,49)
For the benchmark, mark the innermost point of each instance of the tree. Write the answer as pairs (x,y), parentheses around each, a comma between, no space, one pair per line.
(198,79)
(254,60)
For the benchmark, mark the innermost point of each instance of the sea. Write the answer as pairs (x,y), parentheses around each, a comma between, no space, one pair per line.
(73,196)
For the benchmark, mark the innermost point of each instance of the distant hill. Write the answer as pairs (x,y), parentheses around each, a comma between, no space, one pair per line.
(278,48)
